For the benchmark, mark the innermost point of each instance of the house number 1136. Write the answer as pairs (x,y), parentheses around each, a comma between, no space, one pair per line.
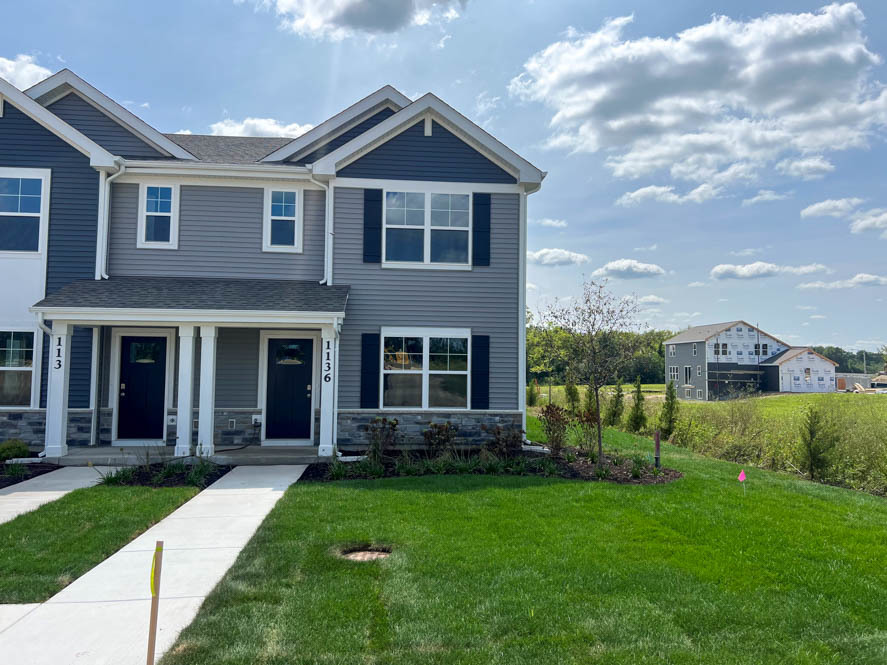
(327,363)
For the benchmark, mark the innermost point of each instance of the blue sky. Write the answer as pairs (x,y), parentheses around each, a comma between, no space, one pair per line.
(682,140)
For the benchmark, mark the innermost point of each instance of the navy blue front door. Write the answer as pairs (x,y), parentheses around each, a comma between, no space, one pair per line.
(288,410)
(141,412)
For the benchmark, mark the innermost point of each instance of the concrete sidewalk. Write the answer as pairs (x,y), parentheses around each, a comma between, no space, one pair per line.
(30,494)
(102,617)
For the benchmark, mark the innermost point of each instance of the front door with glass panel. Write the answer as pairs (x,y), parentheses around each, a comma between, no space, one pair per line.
(288,410)
(141,402)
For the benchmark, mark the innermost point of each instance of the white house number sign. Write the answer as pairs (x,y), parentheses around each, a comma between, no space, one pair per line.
(327,362)
(59,357)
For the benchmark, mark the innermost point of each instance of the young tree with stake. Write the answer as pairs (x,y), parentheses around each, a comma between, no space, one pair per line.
(597,322)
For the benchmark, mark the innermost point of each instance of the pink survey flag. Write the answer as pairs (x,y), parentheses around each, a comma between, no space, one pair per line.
(742,475)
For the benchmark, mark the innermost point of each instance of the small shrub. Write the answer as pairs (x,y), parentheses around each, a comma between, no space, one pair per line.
(125,475)
(533,394)
(337,470)
(585,431)
(548,467)
(616,458)
(637,417)
(571,394)
(615,407)
(669,415)
(638,464)
(17,470)
(602,472)
(518,465)
(554,423)
(12,449)
(504,441)
(383,438)
(818,438)
(439,438)
(199,471)
(489,463)
(369,467)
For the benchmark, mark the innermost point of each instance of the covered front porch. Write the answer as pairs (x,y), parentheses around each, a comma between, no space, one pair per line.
(188,366)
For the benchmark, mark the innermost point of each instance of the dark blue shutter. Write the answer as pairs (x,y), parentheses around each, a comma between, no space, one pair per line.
(481,232)
(480,371)
(372,226)
(369,370)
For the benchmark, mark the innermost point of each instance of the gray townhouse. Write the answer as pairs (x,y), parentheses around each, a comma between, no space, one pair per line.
(200,291)
(723,360)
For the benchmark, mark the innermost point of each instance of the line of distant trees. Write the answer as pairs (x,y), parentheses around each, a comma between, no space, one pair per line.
(548,359)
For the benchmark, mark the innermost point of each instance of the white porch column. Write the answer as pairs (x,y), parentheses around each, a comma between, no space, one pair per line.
(184,406)
(328,364)
(57,397)
(206,416)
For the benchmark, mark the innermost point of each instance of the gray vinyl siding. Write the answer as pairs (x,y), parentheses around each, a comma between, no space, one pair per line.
(683,357)
(344,137)
(73,212)
(220,235)
(484,299)
(413,156)
(112,136)
(237,368)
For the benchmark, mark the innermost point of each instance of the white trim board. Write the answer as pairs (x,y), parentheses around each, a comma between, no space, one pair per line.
(68,80)
(114,374)
(264,336)
(254,318)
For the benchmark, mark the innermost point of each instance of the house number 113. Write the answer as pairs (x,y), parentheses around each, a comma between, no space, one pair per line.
(57,364)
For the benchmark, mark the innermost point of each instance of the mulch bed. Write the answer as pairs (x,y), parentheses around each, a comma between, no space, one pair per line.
(571,464)
(151,475)
(28,471)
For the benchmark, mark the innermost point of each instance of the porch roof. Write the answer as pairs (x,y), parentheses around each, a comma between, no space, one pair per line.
(197,294)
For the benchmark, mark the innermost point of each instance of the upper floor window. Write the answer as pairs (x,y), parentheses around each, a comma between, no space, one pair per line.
(425,368)
(427,229)
(671,351)
(158,216)
(24,209)
(16,367)
(282,230)
(694,349)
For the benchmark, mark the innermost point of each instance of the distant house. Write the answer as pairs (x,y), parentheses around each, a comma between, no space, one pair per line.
(880,380)
(722,360)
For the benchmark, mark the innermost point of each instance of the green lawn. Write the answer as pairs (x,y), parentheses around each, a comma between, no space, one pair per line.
(561,400)
(534,570)
(43,551)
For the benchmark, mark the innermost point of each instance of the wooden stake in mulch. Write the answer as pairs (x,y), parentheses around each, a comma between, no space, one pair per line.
(156,566)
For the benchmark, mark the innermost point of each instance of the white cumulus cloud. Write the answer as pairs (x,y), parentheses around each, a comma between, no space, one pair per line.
(832,208)
(652,300)
(553,223)
(861,279)
(765,196)
(666,194)
(716,103)
(697,285)
(760,269)
(552,256)
(23,71)
(628,269)
(648,248)
(257,127)
(870,220)
(748,251)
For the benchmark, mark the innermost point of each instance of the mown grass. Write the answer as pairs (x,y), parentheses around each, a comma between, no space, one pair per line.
(44,550)
(533,570)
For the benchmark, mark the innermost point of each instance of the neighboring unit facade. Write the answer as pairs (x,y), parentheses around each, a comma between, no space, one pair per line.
(723,360)
(277,291)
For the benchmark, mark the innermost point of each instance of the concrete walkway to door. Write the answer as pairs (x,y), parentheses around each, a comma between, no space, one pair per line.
(102,617)
(29,494)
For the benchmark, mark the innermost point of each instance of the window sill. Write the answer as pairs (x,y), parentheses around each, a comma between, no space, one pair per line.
(281,250)
(21,253)
(156,245)
(425,266)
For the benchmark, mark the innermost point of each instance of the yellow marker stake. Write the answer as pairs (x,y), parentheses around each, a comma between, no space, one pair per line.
(156,566)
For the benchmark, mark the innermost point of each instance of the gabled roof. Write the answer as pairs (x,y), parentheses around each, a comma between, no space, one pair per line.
(65,81)
(98,156)
(228,149)
(385,96)
(433,107)
(701,333)
(794,352)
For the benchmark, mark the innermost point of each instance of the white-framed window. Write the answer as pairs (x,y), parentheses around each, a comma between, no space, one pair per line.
(671,351)
(673,373)
(688,393)
(158,226)
(425,368)
(694,349)
(698,370)
(688,374)
(282,228)
(16,367)
(426,229)
(699,394)
(24,210)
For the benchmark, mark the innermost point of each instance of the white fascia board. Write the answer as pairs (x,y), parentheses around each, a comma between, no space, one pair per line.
(99,158)
(204,169)
(465,129)
(205,316)
(117,112)
(382,95)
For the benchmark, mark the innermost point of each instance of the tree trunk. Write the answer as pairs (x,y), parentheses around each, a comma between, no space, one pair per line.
(600,432)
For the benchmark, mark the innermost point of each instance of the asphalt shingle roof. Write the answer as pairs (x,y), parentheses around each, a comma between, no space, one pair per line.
(700,333)
(200,293)
(228,149)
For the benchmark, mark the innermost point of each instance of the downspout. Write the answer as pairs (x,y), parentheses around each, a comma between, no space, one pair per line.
(106,211)
(42,324)
(326,226)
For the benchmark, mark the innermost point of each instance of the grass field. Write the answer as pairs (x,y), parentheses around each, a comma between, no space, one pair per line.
(43,551)
(532,570)
(560,399)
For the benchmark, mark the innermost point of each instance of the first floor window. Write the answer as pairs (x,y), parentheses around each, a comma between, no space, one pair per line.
(688,393)
(22,209)
(158,217)
(425,369)
(16,366)
(283,221)
(673,373)
(425,228)
(698,394)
